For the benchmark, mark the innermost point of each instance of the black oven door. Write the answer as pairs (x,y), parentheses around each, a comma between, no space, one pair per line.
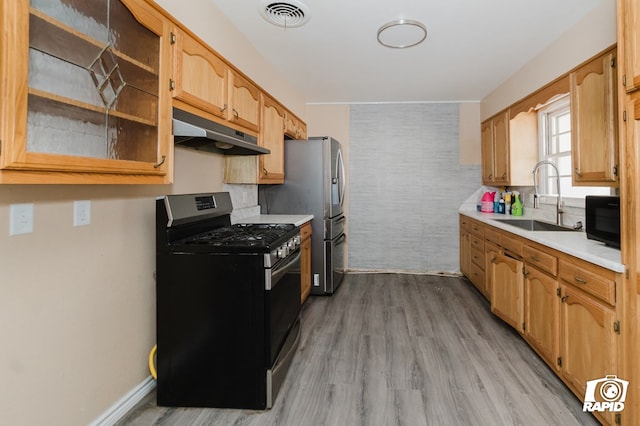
(282,303)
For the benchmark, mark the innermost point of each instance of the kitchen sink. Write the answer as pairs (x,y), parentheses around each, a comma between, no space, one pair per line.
(535,225)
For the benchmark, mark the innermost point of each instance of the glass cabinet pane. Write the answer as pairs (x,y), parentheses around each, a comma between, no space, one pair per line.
(93,81)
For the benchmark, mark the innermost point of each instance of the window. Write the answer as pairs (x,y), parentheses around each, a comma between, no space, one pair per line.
(555,144)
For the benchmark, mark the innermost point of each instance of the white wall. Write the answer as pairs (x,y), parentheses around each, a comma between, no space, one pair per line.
(77,304)
(595,33)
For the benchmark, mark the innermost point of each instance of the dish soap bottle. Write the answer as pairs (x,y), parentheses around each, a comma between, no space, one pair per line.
(516,207)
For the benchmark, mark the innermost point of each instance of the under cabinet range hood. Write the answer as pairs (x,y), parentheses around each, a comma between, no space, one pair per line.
(198,133)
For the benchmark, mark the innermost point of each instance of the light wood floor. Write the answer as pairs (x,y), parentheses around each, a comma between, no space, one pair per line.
(394,349)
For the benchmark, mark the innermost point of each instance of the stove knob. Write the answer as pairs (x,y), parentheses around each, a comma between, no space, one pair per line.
(291,244)
(298,240)
(283,252)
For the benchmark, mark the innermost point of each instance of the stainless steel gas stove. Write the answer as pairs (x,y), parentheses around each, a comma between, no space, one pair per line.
(228,304)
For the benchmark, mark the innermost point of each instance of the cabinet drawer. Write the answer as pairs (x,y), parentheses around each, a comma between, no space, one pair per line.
(477,229)
(305,231)
(477,242)
(510,244)
(477,276)
(543,261)
(590,278)
(492,235)
(477,257)
(465,223)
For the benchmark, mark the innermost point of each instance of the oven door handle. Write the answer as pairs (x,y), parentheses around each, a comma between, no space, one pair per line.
(272,277)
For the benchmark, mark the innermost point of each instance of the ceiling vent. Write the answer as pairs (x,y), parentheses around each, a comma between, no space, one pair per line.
(286,14)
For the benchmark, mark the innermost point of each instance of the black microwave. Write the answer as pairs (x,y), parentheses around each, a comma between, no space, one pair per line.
(602,216)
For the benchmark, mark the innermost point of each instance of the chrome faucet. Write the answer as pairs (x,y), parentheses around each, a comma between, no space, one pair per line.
(535,188)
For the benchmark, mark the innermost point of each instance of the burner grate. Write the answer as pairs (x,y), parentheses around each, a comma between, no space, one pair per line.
(241,235)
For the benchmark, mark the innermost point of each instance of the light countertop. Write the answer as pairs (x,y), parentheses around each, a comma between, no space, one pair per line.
(573,243)
(296,219)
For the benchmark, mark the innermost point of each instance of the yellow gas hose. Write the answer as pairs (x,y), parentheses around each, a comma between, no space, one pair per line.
(152,366)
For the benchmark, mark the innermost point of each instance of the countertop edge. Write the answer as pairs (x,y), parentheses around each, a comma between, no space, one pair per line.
(296,219)
(595,252)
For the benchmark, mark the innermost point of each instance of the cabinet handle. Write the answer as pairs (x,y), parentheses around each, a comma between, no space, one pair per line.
(235,113)
(155,166)
(224,108)
(504,175)
(578,172)
(535,258)
(491,176)
(564,298)
(265,172)
(579,280)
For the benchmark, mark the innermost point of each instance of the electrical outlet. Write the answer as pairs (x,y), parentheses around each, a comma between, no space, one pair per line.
(81,213)
(20,219)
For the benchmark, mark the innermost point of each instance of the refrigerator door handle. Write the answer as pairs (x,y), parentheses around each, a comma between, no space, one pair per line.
(343,183)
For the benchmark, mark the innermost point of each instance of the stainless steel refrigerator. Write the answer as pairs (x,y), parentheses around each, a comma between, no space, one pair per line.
(314,184)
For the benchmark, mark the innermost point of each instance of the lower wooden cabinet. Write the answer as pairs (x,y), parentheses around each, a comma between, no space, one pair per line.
(465,253)
(542,314)
(305,262)
(491,251)
(507,290)
(566,308)
(588,341)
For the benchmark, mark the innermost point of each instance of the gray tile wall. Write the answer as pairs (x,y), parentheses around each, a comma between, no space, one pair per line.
(405,187)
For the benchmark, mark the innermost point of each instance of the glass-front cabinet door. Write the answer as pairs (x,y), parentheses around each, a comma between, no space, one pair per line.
(85,91)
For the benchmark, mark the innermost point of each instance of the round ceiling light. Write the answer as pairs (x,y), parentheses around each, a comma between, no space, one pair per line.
(287,14)
(402,33)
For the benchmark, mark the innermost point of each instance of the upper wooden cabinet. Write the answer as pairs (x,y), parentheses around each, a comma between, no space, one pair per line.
(629,42)
(265,168)
(206,82)
(594,129)
(495,150)
(294,127)
(271,166)
(508,149)
(85,96)
(244,102)
(201,77)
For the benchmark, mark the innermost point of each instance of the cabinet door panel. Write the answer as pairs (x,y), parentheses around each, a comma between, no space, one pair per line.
(85,95)
(486,139)
(305,261)
(465,253)
(594,122)
(244,101)
(630,12)
(588,342)
(201,77)
(491,251)
(501,149)
(542,314)
(271,166)
(507,290)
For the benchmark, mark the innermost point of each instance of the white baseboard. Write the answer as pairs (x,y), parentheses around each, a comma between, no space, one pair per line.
(120,409)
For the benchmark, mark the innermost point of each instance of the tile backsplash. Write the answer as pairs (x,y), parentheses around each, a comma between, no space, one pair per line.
(244,199)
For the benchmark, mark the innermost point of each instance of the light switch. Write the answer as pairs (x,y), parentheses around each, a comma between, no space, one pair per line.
(81,212)
(20,219)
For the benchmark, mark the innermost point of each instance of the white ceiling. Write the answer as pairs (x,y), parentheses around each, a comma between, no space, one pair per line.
(472,46)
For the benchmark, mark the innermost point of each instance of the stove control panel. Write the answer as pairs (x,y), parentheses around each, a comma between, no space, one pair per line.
(288,247)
